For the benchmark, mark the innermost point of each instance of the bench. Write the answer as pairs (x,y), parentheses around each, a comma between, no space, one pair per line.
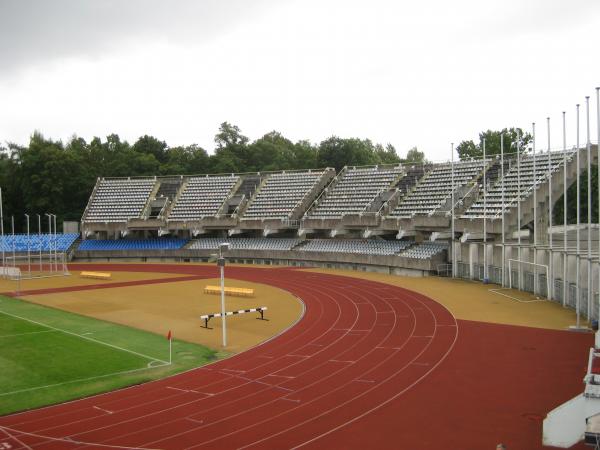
(232,291)
(96,275)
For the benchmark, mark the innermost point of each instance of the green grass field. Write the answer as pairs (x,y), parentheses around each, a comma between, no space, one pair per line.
(49,356)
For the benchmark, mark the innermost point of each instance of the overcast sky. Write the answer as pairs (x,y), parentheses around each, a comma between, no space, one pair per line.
(419,74)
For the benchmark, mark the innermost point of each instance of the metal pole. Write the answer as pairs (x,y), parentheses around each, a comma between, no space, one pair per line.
(223,316)
(578,247)
(2,230)
(598,165)
(40,238)
(589,210)
(28,247)
(519,206)
(550,207)
(535,223)
(12,221)
(502,176)
(485,276)
(452,243)
(55,246)
(49,234)
(565,248)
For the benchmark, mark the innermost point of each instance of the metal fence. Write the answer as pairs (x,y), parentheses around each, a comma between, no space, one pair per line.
(462,271)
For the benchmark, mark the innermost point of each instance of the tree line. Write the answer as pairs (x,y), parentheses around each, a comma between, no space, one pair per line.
(51,176)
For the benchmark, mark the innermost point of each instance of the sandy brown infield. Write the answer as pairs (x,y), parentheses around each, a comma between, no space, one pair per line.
(174,305)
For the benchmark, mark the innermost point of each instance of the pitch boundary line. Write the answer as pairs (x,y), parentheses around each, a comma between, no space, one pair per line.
(151,358)
(497,291)
(123,372)
(27,334)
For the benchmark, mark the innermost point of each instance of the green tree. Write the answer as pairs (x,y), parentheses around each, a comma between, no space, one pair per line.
(469,149)
(415,156)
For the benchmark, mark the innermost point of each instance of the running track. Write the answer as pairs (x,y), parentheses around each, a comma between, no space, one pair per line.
(369,366)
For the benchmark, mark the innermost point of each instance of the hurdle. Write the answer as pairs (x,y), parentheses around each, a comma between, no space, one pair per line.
(260,310)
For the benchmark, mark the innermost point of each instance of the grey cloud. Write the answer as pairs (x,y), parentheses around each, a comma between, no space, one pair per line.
(37,31)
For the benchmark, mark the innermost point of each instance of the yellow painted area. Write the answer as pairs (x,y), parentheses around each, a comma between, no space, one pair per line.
(75,280)
(178,306)
(229,291)
(470,300)
(96,275)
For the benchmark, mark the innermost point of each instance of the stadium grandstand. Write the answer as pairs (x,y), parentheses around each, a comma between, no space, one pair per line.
(486,219)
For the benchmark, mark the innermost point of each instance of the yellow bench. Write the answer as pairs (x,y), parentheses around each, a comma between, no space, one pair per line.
(233,291)
(96,275)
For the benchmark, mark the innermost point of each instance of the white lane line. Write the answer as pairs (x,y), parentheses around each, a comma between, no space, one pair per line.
(102,409)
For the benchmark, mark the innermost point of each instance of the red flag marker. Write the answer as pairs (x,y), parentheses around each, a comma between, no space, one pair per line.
(169,335)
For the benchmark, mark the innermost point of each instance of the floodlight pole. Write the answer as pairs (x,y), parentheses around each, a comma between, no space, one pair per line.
(28,246)
(221,264)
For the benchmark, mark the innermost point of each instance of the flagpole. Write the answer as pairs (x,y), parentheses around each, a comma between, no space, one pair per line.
(598,164)
(503,234)
(519,205)
(170,349)
(535,224)
(577,248)
(550,207)
(565,248)
(2,231)
(452,243)
(589,210)
(485,274)
(12,221)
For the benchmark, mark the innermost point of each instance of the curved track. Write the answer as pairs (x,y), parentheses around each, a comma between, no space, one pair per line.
(360,345)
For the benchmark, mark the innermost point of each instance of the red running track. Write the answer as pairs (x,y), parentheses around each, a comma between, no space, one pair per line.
(369,366)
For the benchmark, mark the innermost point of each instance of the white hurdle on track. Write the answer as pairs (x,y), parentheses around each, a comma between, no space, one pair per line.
(260,310)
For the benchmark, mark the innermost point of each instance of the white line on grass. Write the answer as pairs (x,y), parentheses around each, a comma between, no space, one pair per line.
(2,394)
(497,291)
(152,358)
(26,334)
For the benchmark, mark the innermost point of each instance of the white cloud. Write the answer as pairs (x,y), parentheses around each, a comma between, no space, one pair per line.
(425,74)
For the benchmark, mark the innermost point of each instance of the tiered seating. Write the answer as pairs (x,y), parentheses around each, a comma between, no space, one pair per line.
(354,191)
(202,197)
(117,200)
(493,198)
(362,246)
(246,243)
(425,250)
(281,194)
(35,242)
(133,244)
(435,189)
